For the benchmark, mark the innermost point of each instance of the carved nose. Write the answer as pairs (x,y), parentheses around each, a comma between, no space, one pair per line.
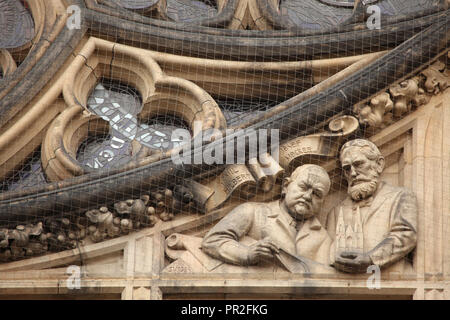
(353,172)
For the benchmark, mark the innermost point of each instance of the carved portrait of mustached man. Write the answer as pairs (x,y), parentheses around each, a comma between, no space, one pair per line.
(286,231)
(283,235)
(377,223)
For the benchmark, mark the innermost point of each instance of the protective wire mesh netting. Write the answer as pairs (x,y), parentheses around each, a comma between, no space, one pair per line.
(102,167)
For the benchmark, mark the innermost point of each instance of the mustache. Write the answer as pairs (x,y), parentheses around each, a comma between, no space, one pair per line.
(304,202)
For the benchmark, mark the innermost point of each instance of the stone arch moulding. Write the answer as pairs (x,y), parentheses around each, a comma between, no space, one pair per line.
(160,93)
(170,13)
(7,63)
(51,39)
(330,15)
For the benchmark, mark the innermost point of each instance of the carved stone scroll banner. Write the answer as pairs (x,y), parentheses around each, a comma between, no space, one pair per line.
(237,176)
(266,171)
(324,144)
(242,180)
(292,150)
(245,180)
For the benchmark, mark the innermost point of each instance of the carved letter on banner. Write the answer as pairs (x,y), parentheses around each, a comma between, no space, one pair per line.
(324,144)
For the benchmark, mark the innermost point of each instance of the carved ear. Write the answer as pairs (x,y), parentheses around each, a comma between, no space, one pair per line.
(380,164)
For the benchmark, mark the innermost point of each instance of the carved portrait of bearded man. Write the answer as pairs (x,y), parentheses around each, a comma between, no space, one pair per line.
(377,223)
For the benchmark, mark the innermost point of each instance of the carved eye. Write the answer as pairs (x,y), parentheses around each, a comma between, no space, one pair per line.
(358,163)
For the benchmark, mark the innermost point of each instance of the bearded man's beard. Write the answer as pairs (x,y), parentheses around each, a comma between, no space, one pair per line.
(362,190)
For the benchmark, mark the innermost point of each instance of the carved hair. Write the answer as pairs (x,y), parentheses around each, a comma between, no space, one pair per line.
(313,168)
(368,148)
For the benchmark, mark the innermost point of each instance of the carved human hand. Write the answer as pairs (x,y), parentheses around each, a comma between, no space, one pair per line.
(263,249)
(351,262)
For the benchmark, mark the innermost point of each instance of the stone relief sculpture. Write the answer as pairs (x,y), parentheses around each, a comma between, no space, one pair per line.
(376,224)
(285,232)
(276,226)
